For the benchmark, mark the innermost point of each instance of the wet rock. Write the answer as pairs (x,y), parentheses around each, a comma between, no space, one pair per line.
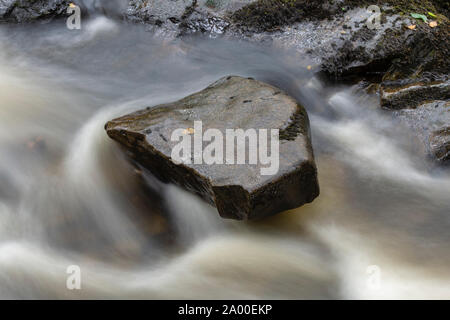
(336,34)
(20,11)
(431,123)
(115,9)
(412,95)
(238,191)
(264,15)
(184,17)
(440,144)
(408,69)
(158,12)
(25,11)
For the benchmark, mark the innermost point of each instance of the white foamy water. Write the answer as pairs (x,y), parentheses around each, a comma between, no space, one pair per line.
(70,196)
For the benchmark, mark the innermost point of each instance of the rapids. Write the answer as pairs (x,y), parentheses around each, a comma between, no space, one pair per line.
(69,196)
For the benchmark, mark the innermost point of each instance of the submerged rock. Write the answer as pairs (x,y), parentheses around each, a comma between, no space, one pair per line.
(431,123)
(440,144)
(239,191)
(425,108)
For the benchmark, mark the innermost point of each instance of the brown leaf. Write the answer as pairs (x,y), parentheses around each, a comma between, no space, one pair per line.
(189,131)
(412,27)
(433,24)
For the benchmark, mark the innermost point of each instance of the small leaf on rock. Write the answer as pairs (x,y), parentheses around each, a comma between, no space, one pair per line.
(189,131)
(419,16)
(412,27)
(433,24)
(432,14)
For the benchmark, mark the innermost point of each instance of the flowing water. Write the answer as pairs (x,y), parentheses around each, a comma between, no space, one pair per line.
(69,195)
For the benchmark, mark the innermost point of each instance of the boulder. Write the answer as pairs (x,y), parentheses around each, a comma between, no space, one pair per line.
(239,191)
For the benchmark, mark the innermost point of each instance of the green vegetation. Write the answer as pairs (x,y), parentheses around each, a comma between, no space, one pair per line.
(419,16)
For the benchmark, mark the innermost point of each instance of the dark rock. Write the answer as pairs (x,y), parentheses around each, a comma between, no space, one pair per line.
(413,95)
(440,144)
(158,10)
(110,8)
(238,191)
(20,11)
(409,69)
(25,11)
(267,15)
(182,17)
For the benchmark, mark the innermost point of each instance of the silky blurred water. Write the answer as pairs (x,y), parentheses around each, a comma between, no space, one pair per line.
(69,195)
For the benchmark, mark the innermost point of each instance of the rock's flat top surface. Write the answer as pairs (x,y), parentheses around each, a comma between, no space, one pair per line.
(238,190)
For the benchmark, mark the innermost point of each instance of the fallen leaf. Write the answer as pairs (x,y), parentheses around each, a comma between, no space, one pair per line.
(309,67)
(432,14)
(189,131)
(72,5)
(343,32)
(412,27)
(433,24)
(419,16)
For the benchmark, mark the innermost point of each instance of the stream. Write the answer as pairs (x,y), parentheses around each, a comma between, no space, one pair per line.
(70,196)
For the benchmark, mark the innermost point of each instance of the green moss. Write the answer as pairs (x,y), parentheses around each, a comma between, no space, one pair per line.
(297,124)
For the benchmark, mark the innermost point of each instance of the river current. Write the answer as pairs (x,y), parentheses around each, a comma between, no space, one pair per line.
(69,195)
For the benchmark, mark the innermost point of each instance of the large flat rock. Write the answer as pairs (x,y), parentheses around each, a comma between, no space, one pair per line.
(239,191)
